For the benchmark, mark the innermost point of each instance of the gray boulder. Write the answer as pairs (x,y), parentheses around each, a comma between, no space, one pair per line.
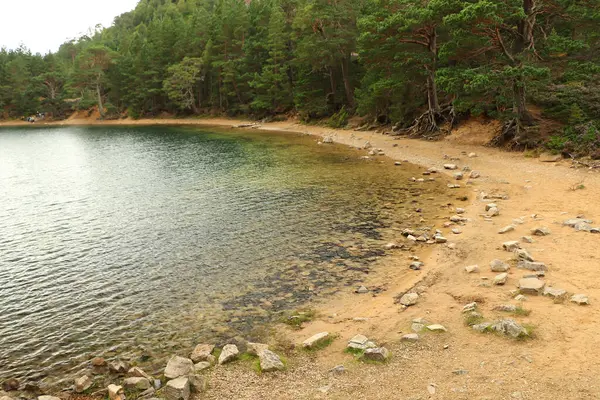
(201,352)
(532,286)
(177,389)
(178,366)
(376,354)
(499,266)
(230,352)
(409,299)
(580,299)
(510,328)
(83,383)
(270,361)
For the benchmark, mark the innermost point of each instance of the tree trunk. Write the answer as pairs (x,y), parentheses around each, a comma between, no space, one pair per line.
(347,83)
(100,106)
(331,96)
(523,39)
(432,94)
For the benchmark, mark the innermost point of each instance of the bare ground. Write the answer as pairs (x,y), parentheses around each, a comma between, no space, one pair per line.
(559,362)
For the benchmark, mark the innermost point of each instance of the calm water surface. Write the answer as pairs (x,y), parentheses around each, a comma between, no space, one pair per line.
(137,242)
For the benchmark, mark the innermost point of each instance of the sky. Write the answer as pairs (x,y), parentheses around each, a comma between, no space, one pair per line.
(43,25)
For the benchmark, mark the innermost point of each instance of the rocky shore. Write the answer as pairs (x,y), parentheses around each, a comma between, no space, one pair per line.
(500,307)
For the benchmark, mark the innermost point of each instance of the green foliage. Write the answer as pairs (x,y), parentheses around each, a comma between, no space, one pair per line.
(339,119)
(299,317)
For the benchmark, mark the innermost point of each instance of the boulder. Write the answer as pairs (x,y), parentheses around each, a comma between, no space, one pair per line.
(118,367)
(315,340)
(500,279)
(198,383)
(229,353)
(177,389)
(522,254)
(532,286)
(83,383)
(541,231)
(270,361)
(201,366)
(409,299)
(201,352)
(115,392)
(555,293)
(580,299)
(472,269)
(256,348)
(360,342)
(511,245)
(499,266)
(137,383)
(410,337)
(178,366)
(137,372)
(510,328)
(376,354)
(506,229)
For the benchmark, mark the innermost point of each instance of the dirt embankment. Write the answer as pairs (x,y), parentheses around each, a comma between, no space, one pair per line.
(558,362)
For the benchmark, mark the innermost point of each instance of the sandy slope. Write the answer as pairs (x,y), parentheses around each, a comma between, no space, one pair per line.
(560,362)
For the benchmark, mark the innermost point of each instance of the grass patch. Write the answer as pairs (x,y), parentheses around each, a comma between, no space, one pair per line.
(473,319)
(520,311)
(217,352)
(354,352)
(247,357)
(531,330)
(299,317)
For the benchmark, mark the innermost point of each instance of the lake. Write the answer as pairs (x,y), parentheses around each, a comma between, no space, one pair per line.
(136,242)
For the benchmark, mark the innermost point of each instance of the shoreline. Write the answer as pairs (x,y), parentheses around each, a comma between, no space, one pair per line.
(495,366)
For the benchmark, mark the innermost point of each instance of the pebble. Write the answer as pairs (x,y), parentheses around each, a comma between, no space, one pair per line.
(506,229)
(338,370)
(201,366)
(523,254)
(489,206)
(138,372)
(460,372)
(118,367)
(417,327)
(83,383)
(493,212)
(510,328)
(137,383)
(416,265)
(554,292)
(362,290)
(460,210)
(116,392)
(474,174)
(360,342)
(456,231)
(458,176)
(500,279)
(580,299)
(506,308)
(469,307)
(440,239)
(520,297)
(472,268)
(397,163)
(532,266)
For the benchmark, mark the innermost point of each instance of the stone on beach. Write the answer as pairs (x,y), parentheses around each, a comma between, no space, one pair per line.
(83,383)
(409,299)
(437,328)
(472,268)
(580,299)
(499,266)
(510,328)
(376,354)
(269,361)
(500,279)
(506,229)
(201,352)
(554,292)
(531,286)
(229,353)
(137,383)
(178,366)
(116,392)
(177,389)
(315,340)
(139,373)
(511,245)
(532,266)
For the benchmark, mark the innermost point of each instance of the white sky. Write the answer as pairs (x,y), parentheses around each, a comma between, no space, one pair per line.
(43,25)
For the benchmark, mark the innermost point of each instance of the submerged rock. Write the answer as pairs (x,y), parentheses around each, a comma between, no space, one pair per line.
(83,383)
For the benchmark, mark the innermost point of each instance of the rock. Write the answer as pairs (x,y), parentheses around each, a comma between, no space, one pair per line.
(270,361)
(178,366)
(532,286)
(555,293)
(511,245)
(576,221)
(397,163)
(338,370)
(437,328)
(137,372)
(48,398)
(410,337)
(198,383)
(118,367)
(391,246)
(493,212)
(474,174)
(416,265)
(506,308)
(201,352)
(469,307)
(460,372)
(520,297)
(484,326)
(137,383)
(229,353)
(460,210)
(431,388)
(409,299)
(416,327)
(10,385)
(506,229)
(98,362)
(453,186)
(458,176)
(177,389)
(518,221)
(583,226)
(83,383)
(456,231)
(472,155)
(327,139)
(440,239)
(523,254)
(580,299)
(541,231)
(367,145)
(527,239)
(532,266)
(546,157)
(450,166)
(147,394)
(457,219)
(510,328)
(256,348)
(376,354)
(500,279)
(360,342)
(489,206)
(499,266)
(315,340)
(116,392)
(201,366)
(362,290)
(472,269)
(411,238)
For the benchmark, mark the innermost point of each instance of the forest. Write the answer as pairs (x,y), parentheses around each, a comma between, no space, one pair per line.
(419,66)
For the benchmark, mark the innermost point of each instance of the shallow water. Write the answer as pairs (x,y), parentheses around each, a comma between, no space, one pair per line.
(140,241)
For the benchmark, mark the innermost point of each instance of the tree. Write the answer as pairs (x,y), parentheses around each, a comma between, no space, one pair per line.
(182,84)
(92,65)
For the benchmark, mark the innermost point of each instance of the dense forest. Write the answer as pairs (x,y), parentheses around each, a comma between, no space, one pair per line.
(419,65)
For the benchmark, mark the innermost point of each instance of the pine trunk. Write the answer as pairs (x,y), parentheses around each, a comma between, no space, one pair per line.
(347,83)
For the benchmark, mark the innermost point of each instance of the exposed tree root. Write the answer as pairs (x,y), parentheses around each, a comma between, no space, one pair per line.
(431,124)
(514,135)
